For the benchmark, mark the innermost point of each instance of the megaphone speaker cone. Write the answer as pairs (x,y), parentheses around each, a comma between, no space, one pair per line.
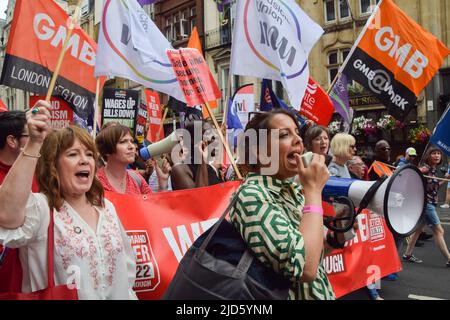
(400,199)
(160,147)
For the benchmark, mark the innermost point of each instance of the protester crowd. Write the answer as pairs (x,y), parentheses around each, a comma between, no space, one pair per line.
(65,173)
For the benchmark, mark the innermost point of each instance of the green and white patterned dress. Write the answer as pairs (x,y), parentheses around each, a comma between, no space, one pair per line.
(267,214)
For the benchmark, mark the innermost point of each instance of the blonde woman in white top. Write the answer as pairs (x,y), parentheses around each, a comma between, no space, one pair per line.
(92,251)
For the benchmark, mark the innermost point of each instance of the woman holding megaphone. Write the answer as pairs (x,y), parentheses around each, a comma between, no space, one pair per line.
(282,222)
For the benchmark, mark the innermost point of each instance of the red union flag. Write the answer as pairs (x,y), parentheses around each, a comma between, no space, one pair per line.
(38,32)
(395,58)
(194,76)
(316,104)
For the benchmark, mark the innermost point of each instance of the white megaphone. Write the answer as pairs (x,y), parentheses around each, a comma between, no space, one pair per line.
(401,198)
(158,148)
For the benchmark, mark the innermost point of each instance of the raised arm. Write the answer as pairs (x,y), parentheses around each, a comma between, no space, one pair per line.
(16,187)
(312,179)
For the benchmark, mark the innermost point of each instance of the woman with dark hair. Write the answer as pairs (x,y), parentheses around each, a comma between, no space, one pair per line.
(92,252)
(281,221)
(117,148)
(317,140)
(431,161)
(198,169)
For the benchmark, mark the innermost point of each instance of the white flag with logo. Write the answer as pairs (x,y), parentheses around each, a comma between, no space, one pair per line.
(131,46)
(272,40)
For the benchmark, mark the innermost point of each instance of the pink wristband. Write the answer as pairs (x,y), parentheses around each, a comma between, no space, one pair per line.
(313,209)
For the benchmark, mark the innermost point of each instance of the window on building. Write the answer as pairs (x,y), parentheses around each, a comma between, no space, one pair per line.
(344,10)
(336,10)
(179,24)
(330,11)
(367,6)
(335,59)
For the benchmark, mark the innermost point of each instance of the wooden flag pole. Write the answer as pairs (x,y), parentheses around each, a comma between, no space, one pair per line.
(430,177)
(227,149)
(158,134)
(97,108)
(63,51)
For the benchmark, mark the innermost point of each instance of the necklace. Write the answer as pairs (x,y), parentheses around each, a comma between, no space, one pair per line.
(115,182)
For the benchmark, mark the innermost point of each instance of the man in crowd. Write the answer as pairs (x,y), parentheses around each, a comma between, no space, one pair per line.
(382,156)
(409,158)
(356,168)
(13,137)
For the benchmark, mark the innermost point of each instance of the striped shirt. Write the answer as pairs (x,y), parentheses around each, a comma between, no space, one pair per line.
(268,214)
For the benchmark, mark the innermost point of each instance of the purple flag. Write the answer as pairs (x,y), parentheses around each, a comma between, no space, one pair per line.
(339,96)
(144,2)
(221,4)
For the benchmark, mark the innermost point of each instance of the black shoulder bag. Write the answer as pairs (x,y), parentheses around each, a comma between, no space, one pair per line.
(221,266)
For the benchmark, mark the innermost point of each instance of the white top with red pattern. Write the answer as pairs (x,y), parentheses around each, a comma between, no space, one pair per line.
(99,263)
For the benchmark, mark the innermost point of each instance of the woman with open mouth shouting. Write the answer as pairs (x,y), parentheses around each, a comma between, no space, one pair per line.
(280,220)
(92,253)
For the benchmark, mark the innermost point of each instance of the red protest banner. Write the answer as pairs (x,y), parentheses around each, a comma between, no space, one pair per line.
(163,226)
(368,257)
(3,106)
(316,105)
(154,116)
(194,77)
(61,112)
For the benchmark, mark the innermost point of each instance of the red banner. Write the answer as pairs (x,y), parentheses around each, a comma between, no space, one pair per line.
(154,116)
(194,76)
(316,105)
(61,112)
(162,227)
(368,257)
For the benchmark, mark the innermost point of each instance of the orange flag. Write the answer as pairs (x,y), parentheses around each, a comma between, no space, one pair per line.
(395,59)
(194,42)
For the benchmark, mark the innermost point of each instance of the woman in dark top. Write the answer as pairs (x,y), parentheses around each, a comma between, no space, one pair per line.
(431,162)
(198,171)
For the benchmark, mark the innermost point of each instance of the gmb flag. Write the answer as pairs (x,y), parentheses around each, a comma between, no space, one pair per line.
(272,40)
(395,58)
(37,35)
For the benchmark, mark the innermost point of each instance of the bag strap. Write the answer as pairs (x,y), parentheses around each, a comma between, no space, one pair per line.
(50,253)
(244,264)
(216,226)
(135,177)
(370,194)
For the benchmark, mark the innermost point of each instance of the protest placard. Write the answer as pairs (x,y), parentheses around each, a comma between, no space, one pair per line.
(194,76)
(121,106)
